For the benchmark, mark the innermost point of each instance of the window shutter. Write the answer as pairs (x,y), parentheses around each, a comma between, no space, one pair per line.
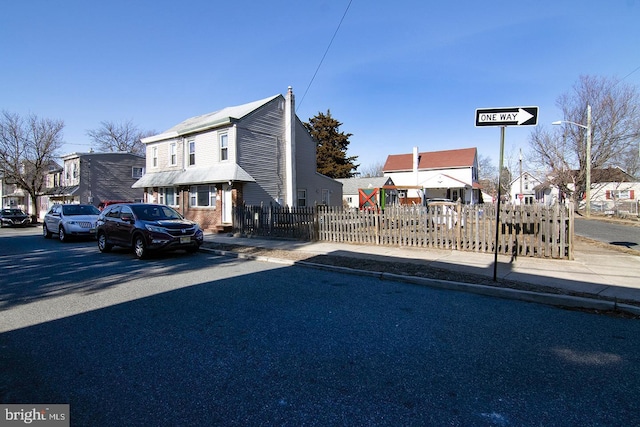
(631,195)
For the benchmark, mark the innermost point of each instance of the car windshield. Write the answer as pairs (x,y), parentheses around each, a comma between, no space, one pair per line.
(154,212)
(71,210)
(12,212)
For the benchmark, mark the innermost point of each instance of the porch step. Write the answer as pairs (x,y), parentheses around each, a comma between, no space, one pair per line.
(224,228)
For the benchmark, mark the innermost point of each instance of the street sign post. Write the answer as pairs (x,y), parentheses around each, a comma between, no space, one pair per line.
(510,116)
(503,117)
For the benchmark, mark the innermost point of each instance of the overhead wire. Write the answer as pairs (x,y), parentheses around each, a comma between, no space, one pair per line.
(324,56)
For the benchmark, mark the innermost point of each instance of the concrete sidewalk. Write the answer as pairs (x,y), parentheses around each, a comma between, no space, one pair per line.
(604,277)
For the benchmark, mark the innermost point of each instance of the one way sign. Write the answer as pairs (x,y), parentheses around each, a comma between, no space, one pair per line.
(510,116)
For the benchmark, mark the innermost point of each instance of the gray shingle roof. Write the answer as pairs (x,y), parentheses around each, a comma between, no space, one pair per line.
(210,120)
(352,185)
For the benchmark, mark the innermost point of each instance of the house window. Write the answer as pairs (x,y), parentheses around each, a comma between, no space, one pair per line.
(325,196)
(168,196)
(173,158)
(192,153)
(302,198)
(137,172)
(154,157)
(224,147)
(619,194)
(203,195)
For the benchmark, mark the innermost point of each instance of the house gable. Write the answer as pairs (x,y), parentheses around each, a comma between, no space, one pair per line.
(268,155)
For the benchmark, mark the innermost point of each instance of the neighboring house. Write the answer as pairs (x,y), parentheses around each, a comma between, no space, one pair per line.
(366,192)
(451,174)
(613,184)
(523,189)
(13,197)
(547,193)
(93,178)
(255,153)
(611,189)
(614,189)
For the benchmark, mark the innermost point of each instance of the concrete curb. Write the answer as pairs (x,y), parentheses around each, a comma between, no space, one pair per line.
(556,300)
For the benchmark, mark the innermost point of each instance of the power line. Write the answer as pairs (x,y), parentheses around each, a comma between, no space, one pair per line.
(323,56)
(630,73)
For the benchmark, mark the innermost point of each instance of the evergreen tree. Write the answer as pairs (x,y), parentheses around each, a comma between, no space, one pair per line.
(331,147)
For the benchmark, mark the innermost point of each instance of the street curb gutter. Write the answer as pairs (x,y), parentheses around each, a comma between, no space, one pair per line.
(557,300)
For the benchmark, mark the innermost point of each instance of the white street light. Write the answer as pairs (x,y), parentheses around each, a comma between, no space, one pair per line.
(588,157)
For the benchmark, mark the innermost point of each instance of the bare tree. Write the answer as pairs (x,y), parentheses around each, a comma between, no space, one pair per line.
(488,174)
(372,170)
(119,137)
(615,128)
(27,149)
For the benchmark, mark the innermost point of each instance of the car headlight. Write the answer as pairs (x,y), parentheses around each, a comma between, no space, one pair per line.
(72,222)
(155,228)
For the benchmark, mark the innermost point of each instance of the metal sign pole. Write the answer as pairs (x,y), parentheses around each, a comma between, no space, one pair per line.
(495,246)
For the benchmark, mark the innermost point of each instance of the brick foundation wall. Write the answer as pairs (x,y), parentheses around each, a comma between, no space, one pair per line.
(208,218)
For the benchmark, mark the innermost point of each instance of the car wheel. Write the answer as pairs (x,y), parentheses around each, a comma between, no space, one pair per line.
(62,235)
(102,243)
(45,232)
(140,247)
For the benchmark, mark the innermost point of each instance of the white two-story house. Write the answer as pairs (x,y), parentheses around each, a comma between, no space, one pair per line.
(451,174)
(255,153)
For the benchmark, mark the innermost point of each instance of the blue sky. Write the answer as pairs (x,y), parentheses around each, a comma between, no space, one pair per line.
(398,74)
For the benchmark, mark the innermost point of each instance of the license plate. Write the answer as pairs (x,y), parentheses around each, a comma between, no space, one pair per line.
(185,240)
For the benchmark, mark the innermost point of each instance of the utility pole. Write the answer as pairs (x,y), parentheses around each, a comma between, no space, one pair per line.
(521,193)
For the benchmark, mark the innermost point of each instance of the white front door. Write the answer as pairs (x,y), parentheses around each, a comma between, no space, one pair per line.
(226,204)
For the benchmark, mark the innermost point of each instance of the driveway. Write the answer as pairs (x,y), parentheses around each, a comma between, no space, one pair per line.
(615,233)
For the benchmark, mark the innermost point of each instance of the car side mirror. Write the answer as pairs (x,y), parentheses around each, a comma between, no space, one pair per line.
(126,217)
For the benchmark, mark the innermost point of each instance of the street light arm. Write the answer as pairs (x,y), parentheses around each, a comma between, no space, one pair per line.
(559,122)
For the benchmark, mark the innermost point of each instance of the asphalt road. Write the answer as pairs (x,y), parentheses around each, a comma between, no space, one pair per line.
(196,340)
(616,234)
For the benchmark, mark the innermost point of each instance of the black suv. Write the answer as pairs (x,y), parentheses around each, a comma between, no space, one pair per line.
(145,228)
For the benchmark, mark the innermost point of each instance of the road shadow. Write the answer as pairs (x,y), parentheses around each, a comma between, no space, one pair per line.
(286,347)
(34,278)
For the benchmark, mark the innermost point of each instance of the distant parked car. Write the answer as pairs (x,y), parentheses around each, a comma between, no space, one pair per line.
(103,204)
(438,201)
(70,221)
(13,218)
(146,228)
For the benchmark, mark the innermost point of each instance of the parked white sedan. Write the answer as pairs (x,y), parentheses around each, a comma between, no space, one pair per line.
(70,220)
